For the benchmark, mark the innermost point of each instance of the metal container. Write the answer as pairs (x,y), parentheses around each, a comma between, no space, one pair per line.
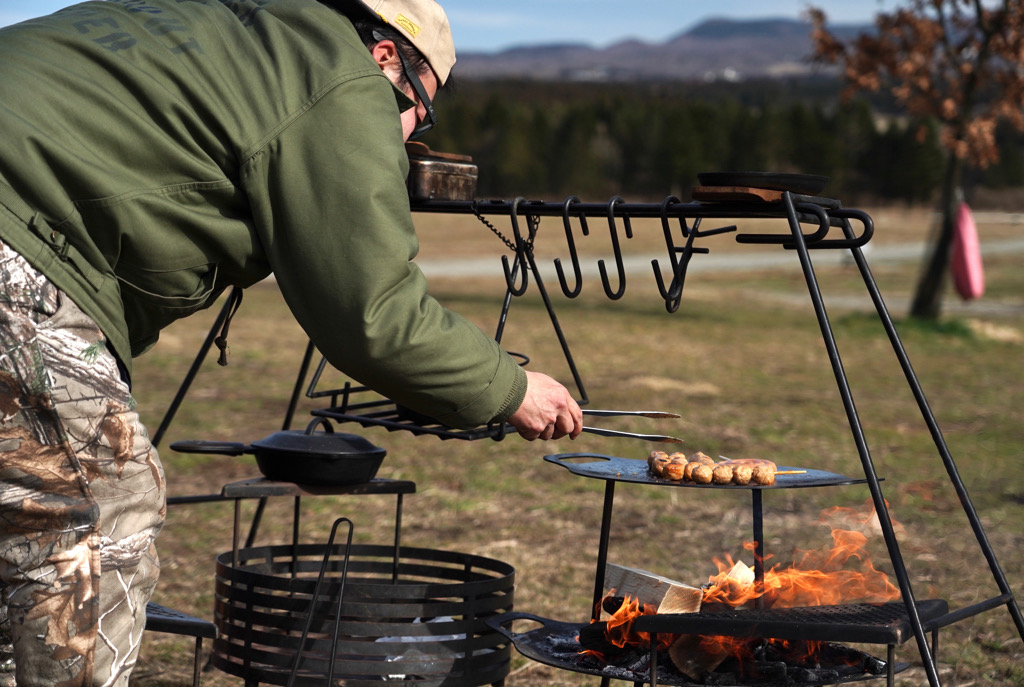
(440,176)
(418,617)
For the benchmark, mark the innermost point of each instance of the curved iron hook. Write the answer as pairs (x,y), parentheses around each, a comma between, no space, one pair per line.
(669,244)
(567,224)
(520,259)
(615,295)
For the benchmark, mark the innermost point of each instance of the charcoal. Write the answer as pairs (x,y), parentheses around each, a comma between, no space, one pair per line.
(562,644)
(719,678)
(772,671)
(567,657)
(874,666)
(592,637)
(611,604)
(642,664)
(814,676)
(617,673)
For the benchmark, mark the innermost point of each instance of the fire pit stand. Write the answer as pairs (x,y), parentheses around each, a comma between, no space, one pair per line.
(887,624)
(824,217)
(812,222)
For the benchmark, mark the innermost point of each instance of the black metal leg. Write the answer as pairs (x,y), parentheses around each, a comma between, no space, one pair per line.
(654,660)
(939,441)
(881,507)
(234,532)
(602,550)
(398,539)
(254,526)
(196,668)
(758,521)
(602,556)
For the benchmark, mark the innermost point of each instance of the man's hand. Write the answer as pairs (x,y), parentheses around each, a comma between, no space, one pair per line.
(548,411)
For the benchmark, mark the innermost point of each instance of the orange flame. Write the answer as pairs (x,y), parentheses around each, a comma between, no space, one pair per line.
(837,574)
(620,630)
(842,573)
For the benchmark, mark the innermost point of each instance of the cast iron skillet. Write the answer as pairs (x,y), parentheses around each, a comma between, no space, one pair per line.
(806,184)
(304,457)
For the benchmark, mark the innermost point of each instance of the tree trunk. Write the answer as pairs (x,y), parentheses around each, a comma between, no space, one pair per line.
(927,302)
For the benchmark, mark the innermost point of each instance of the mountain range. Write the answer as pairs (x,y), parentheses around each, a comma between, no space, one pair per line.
(714,49)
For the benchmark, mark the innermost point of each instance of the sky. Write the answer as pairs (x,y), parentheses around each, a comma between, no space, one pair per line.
(492,25)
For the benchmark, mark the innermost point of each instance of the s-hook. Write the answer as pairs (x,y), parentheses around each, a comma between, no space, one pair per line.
(673,294)
(521,247)
(620,268)
(567,224)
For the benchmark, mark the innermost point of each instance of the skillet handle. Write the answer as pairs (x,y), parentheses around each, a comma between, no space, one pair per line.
(220,448)
(328,427)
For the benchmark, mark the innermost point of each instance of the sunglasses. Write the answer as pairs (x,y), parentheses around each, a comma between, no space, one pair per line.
(414,80)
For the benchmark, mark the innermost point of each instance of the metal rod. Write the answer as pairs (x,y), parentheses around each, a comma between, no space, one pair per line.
(312,603)
(602,548)
(720,210)
(296,511)
(254,525)
(398,539)
(874,485)
(562,342)
(234,533)
(937,438)
(757,509)
(300,380)
(653,661)
(190,376)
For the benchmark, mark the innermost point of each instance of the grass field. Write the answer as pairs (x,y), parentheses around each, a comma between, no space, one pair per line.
(742,361)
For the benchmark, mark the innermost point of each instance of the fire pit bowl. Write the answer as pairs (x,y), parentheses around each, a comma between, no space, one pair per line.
(418,618)
(557,644)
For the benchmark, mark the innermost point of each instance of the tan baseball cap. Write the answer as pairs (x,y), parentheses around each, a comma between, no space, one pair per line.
(425,24)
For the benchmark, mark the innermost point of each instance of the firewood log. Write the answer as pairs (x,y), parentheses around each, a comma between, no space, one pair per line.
(667,596)
(694,657)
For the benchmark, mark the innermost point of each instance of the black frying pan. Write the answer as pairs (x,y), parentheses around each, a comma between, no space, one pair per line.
(303,457)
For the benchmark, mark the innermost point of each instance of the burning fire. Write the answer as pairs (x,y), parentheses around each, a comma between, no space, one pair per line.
(841,573)
(619,630)
(838,574)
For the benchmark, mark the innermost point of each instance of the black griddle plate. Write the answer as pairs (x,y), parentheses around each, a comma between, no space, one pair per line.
(612,468)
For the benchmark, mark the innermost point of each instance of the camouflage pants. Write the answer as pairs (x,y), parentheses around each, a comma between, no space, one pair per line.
(82,492)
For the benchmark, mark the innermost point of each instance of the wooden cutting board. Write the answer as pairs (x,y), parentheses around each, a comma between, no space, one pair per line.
(743,194)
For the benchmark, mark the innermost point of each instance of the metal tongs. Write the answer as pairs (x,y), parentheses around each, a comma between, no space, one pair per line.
(657,438)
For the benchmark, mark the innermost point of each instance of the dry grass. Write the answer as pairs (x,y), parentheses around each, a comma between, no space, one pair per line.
(744,364)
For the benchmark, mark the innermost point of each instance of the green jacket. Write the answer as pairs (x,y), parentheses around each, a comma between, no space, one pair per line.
(155,152)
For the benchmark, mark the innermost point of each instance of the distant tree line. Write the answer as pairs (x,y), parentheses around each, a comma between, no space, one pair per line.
(545,140)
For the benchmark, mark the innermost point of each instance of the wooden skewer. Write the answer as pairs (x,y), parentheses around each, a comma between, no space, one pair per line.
(791,472)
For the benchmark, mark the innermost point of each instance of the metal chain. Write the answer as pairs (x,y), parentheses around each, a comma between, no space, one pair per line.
(534,225)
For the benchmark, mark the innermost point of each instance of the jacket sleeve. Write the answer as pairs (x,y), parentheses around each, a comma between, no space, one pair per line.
(330,205)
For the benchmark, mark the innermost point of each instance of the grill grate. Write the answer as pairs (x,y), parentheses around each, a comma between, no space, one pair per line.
(857,623)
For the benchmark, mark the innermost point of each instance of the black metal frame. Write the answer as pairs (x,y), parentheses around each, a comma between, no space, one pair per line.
(796,210)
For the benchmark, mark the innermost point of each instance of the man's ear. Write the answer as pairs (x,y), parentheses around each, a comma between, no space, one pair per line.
(384,53)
